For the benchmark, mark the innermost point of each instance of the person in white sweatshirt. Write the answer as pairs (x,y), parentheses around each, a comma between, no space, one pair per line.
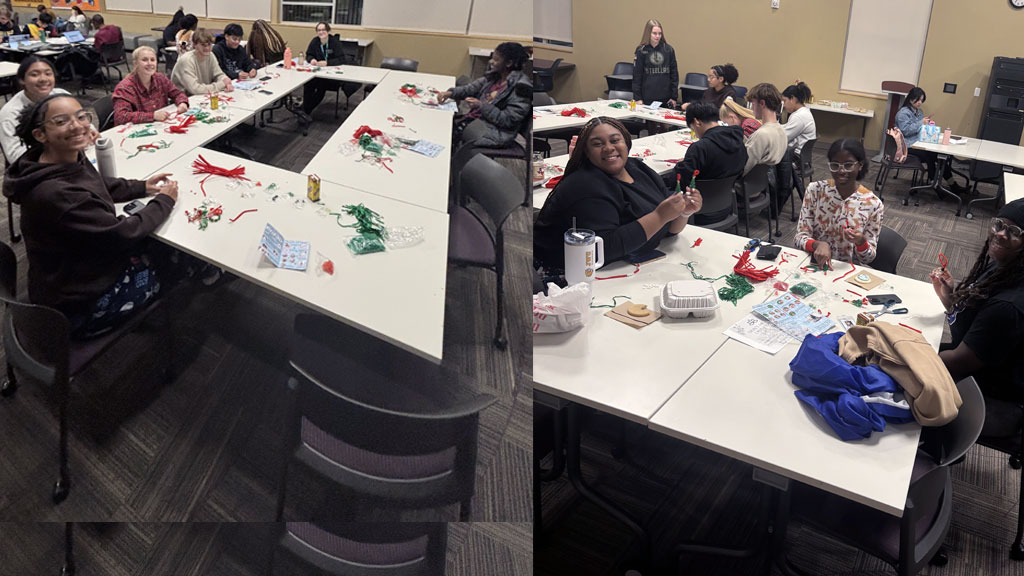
(197,71)
(799,129)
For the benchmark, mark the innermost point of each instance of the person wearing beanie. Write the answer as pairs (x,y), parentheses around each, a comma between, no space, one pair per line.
(985,310)
(655,73)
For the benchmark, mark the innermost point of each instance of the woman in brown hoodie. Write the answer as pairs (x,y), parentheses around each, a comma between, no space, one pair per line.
(83,258)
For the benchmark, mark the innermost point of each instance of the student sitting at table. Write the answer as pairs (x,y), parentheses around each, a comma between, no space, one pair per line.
(231,55)
(620,198)
(6,20)
(105,34)
(43,24)
(502,99)
(184,39)
(170,33)
(986,310)
(840,218)
(141,95)
(909,119)
(721,77)
(655,73)
(197,72)
(718,152)
(38,79)
(767,145)
(78,20)
(323,50)
(733,113)
(83,258)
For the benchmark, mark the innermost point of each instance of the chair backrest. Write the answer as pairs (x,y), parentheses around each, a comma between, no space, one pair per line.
(404,64)
(806,153)
(542,99)
(550,70)
(369,549)
(104,108)
(113,53)
(350,48)
(496,189)
(622,68)
(696,79)
(36,338)
(948,443)
(349,387)
(741,91)
(717,195)
(888,251)
(619,95)
(756,181)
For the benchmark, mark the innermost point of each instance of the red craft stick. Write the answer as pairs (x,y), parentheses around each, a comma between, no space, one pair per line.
(697,242)
(855,294)
(243,212)
(745,268)
(620,275)
(852,268)
(911,327)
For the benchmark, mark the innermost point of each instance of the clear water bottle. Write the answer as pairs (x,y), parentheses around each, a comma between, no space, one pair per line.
(302,58)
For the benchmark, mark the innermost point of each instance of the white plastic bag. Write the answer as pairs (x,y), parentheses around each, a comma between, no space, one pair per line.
(561,310)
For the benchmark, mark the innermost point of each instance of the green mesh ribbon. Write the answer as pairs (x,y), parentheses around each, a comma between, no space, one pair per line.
(619,105)
(368,224)
(738,286)
(365,244)
(367,144)
(143,133)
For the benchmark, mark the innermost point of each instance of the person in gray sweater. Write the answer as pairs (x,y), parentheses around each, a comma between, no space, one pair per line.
(197,71)
(767,144)
(502,99)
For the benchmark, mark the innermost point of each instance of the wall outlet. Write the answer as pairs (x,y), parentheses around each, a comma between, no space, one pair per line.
(775,3)
(977,92)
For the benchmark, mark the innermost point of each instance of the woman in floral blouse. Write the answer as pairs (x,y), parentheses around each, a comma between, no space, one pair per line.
(840,218)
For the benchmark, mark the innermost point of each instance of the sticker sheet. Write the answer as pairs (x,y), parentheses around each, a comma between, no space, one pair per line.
(284,253)
(793,316)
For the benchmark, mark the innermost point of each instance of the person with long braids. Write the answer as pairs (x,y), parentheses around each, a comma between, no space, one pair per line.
(986,310)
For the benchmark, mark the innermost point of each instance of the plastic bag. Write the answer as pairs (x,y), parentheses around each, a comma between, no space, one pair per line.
(365,244)
(561,310)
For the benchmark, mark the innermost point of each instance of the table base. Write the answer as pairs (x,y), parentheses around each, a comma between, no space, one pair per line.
(936,185)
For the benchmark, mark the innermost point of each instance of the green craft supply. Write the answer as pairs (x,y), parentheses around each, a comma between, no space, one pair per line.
(143,133)
(367,221)
(365,244)
(738,287)
(699,277)
(619,105)
(803,289)
(615,302)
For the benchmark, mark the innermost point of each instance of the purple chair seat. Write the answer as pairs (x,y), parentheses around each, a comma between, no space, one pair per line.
(378,554)
(468,241)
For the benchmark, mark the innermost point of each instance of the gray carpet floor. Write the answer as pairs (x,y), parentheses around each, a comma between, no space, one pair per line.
(205,447)
(683,492)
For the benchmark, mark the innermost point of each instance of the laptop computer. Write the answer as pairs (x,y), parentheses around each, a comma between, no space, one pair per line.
(15,39)
(74,37)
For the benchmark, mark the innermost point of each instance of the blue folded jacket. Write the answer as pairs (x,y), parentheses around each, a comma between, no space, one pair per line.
(854,400)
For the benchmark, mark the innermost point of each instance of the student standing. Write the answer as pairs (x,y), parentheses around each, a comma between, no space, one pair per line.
(655,73)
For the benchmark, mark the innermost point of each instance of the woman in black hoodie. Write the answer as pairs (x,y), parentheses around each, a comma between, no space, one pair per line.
(323,50)
(655,74)
(83,259)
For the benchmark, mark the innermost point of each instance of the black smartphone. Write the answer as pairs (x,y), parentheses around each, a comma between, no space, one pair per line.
(133,207)
(265,78)
(267,92)
(882,299)
(768,252)
(639,258)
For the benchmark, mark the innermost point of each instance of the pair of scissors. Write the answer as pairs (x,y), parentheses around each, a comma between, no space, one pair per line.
(887,310)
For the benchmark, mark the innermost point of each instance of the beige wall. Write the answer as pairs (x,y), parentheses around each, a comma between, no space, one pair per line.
(436,53)
(804,39)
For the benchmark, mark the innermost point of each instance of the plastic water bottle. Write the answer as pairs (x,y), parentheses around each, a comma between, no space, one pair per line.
(105,161)
(288,58)
(302,58)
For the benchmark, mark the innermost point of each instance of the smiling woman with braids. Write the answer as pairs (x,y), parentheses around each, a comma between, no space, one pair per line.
(986,310)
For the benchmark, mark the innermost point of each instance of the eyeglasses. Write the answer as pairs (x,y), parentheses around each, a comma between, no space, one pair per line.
(998,226)
(62,120)
(843,167)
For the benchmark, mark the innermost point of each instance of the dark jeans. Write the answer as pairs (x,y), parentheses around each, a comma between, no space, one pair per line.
(930,159)
(313,93)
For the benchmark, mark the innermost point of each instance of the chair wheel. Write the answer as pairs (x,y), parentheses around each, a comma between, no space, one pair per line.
(1015,462)
(905,202)
(969,216)
(940,558)
(60,491)
(501,342)
(8,388)
(1017,551)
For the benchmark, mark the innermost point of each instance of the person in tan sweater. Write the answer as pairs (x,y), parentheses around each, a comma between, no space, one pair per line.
(197,72)
(768,144)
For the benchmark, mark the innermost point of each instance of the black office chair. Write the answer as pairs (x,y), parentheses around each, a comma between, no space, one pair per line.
(915,540)
(718,211)
(363,416)
(351,57)
(37,342)
(911,162)
(112,56)
(544,78)
(741,93)
(693,79)
(541,144)
(365,549)
(888,251)
(104,108)
(803,167)
(15,237)
(620,69)
(626,95)
(1004,431)
(472,240)
(170,59)
(756,197)
(400,64)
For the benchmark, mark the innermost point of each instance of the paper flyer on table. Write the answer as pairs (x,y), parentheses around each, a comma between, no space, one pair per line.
(757,332)
(794,317)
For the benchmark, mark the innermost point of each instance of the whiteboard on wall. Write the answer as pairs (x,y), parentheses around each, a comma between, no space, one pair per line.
(884,41)
(197,7)
(552,20)
(130,5)
(422,15)
(234,10)
(501,18)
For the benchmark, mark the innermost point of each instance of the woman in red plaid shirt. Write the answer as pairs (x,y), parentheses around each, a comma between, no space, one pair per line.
(141,95)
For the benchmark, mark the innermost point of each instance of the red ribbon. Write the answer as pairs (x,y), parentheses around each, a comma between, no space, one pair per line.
(243,212)
(575,112)
(182,126)
(553,182)
(366,130)
(201,166)
(674,117)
